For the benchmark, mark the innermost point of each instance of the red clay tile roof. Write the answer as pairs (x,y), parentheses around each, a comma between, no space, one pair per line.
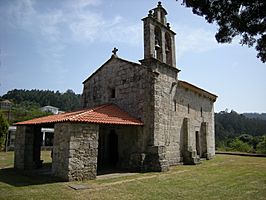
(104,114)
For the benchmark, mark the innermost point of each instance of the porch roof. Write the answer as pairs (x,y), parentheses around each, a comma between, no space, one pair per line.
(104,114)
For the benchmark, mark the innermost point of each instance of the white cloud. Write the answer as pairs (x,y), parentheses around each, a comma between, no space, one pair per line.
(82,4)
(49,23)
(18,13)
(72,22)
(123,33)
(89,26)
(194,40)
(54,26)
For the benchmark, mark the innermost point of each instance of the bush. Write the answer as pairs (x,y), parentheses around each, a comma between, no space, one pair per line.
(246,138)
(261,147)
(239,145)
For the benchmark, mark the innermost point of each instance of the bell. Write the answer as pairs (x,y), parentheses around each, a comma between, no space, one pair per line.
(157,46)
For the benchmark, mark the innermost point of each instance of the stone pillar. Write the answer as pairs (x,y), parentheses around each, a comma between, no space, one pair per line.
(149,38)
(75,151)
(190,153)
(204,126)
(24,147)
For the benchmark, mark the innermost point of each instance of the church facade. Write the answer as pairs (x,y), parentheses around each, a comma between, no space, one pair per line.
(136,116)
(178,117)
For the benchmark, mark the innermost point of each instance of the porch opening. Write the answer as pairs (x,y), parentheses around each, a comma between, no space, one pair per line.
(43,150)
(107,151)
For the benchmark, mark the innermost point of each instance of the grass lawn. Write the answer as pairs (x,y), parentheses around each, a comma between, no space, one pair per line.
(225,177)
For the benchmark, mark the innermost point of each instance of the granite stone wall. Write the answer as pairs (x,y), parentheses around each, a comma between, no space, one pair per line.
(173,104)
(200,111)
(75,151)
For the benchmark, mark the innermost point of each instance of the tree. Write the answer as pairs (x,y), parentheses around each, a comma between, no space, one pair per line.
(243,18)
(67,101)
(246,138)
(3,130)
(261,147)
(238,145)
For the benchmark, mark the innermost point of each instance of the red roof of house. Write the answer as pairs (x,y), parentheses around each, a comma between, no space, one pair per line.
(104,114)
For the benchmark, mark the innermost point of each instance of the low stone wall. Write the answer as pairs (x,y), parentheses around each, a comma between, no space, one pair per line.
(240,154)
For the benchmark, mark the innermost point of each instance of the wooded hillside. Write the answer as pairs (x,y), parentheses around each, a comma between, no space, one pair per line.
(235,132)
(67,101)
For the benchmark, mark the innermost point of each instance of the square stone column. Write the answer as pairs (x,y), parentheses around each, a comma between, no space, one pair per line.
(189,153)
(25,155)
(75,151)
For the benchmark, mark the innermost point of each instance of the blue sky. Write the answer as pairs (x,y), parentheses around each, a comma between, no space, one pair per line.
(56,45)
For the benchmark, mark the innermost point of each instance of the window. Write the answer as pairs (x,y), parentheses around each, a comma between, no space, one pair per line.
(175,105)
(188,108)
(201,114)
(94,93)
(113,93)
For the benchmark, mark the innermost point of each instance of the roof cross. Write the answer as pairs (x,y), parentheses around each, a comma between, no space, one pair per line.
(114,51)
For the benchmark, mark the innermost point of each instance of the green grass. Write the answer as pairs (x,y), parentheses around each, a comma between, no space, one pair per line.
(225,177)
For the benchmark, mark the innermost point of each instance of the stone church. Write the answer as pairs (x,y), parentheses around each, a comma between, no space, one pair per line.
(135,116)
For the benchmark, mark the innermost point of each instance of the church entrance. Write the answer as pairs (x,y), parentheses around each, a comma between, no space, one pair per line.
(108,155)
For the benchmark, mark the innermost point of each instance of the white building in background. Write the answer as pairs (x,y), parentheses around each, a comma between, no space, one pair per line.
(5,105)
(47,137)
(51,109)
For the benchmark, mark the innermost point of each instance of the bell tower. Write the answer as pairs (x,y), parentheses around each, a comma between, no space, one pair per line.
(159,39)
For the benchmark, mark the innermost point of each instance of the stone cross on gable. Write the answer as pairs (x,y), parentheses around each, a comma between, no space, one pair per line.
(114,51)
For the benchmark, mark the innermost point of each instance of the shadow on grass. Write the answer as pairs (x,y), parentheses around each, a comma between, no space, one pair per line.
(20,178)
(113,170)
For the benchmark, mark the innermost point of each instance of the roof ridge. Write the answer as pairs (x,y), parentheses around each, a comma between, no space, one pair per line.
(84,112)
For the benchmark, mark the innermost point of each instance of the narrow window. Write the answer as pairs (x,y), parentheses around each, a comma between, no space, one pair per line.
(188,108)
(175,105)
(94,93)
(201,112)
(113,93)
